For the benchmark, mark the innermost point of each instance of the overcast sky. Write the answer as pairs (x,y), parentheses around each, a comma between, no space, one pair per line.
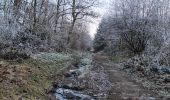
(102,10)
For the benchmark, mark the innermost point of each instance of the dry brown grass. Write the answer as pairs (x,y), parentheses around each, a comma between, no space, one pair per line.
(31,79)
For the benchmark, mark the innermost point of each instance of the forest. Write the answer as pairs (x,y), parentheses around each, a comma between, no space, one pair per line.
(48,52)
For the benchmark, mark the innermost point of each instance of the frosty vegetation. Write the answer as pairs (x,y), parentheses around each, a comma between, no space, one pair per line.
(31,26)
(138,29)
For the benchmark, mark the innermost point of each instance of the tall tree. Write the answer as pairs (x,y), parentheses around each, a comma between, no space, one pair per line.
(17,4)
(79,10)
(35,14)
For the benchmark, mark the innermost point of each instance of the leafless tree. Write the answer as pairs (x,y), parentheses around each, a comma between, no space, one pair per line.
(79,10)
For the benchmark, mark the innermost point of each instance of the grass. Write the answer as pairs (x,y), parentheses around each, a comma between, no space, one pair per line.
(29,80)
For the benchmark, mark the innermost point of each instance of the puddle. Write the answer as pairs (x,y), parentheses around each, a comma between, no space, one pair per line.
(66,92)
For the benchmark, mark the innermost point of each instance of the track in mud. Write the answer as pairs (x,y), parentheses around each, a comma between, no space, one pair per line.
(123,87)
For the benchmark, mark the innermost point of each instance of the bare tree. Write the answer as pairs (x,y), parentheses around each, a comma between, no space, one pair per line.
(138,23)
(35,14)
(79,10)
(51,23)
(16,6)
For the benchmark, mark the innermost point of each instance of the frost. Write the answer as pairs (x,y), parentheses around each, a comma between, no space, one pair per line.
(54,57)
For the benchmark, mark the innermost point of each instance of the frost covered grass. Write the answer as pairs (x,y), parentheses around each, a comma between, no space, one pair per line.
(152,76)
(86,61)
(54,57)
(85,64)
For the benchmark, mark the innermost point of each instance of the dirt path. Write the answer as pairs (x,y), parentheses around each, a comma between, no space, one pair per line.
(123,87)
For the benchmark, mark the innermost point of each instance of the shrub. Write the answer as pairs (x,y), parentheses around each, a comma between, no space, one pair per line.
(99,43)
(14,55)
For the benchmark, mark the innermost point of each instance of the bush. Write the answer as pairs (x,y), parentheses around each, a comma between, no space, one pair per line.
(3,46)
(13,54)
(134,41)
(99,43)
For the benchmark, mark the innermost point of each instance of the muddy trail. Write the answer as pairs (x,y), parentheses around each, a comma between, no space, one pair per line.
(123,87)
(102,80)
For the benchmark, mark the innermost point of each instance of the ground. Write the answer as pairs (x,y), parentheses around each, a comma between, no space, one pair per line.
(30,79)
(96,75)
(123,87)
(104,81)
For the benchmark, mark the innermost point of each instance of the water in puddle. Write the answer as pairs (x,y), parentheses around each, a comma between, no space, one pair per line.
(68,94)
(73,93)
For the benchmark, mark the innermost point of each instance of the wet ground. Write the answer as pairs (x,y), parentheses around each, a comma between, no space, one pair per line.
(104,81)
(72,86)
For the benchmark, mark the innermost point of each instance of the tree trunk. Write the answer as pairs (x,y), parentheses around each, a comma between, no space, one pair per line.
(34,15)
(16,8)
(71,36)
(57,15)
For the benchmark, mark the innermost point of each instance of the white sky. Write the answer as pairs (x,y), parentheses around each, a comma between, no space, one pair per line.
(102,10)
